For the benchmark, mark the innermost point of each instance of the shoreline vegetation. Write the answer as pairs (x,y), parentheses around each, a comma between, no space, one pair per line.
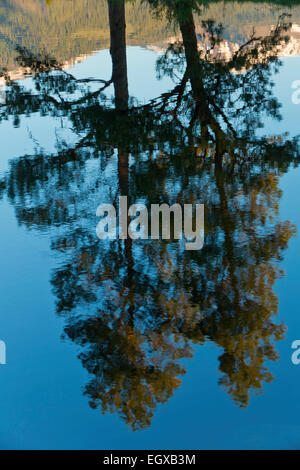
(138,312)
(70,29)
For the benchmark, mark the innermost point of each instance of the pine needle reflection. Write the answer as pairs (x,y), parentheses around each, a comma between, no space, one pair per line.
(140,309)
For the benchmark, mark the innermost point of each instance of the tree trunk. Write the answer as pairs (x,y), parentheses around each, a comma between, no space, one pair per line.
(117,24)
(189,37)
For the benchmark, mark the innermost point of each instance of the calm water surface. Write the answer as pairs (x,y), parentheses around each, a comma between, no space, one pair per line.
(141,344)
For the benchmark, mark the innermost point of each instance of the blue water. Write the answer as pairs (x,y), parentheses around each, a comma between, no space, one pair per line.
(42,405)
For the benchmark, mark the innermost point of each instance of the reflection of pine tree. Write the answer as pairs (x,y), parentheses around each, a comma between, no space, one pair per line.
(138,309)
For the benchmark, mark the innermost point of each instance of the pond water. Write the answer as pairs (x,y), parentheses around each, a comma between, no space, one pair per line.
(142,344)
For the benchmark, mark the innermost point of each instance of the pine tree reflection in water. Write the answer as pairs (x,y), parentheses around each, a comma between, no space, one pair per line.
(138,309)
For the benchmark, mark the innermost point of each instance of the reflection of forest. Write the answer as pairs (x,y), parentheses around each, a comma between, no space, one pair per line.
(139,309)
(69,29)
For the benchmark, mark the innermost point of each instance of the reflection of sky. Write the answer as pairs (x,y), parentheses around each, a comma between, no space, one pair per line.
(288,73)
(143,85)
(46,131)
(41,401)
